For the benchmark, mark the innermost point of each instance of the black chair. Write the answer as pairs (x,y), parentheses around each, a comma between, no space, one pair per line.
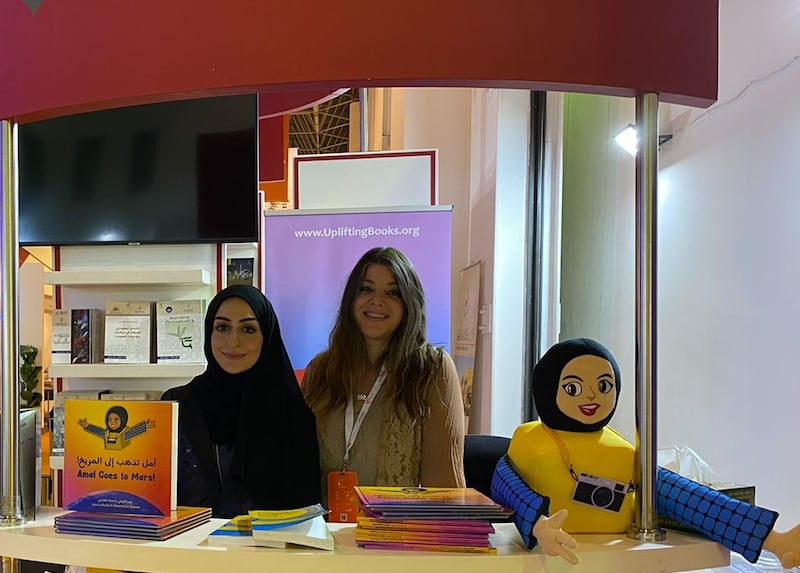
(481,454)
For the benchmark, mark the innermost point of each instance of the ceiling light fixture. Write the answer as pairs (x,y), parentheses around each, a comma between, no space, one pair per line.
(628,139)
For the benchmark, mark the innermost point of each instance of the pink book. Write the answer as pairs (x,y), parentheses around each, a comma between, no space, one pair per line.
(423,547)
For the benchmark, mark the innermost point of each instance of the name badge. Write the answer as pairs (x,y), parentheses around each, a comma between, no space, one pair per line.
(342,500)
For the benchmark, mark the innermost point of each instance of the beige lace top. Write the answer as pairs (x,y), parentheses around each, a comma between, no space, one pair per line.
(391,449)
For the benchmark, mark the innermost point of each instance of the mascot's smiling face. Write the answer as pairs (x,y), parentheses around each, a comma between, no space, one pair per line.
(576,385)
(587,389)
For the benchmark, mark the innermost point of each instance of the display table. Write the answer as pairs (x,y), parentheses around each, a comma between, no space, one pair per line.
(187,553)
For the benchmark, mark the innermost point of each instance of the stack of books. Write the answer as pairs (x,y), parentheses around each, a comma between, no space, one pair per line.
(303,526)
(120,471)
(155,528)
(426,519)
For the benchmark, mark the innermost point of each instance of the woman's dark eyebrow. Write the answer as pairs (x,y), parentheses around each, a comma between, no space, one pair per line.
(572,377)
(245,319)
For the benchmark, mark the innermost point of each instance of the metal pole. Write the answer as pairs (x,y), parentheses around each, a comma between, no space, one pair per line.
(534,257)
(646,524)
(363,139)
(11,501)
(10,565)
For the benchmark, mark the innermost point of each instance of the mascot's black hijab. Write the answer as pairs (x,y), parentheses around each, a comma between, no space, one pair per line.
(262,413)
(546,376)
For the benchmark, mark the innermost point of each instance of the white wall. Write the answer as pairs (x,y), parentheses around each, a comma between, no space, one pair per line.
(510,251)
(730,260)
(481,201)
(728,266)
(482,137)
(439,119)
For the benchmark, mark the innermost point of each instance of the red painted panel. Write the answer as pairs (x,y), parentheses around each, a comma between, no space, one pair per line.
(76,55)
(271,149)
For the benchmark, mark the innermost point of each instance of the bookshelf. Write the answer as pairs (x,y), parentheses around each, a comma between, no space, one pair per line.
(89,276)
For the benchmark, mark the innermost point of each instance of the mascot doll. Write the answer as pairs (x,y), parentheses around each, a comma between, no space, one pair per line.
(573,464)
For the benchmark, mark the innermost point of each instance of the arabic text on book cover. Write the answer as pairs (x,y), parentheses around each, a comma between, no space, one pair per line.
(120,457)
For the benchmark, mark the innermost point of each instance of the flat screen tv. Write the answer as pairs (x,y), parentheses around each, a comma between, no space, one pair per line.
(175,172)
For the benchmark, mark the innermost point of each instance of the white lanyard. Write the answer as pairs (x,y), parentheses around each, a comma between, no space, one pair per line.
(350,428)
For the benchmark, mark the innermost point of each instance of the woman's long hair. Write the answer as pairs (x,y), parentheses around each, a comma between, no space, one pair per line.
(412,363)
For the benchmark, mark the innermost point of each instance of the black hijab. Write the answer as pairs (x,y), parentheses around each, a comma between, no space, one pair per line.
(546,376)
(262,414)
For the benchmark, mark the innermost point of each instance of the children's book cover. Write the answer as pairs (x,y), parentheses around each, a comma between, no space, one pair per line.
(428,497)
(120,457)
(239,531)
(428,503)
(278,518)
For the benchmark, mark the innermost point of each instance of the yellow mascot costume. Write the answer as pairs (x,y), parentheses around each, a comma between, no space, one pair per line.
(572,463)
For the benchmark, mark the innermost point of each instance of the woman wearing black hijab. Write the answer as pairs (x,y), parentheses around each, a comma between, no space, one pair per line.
(247,440)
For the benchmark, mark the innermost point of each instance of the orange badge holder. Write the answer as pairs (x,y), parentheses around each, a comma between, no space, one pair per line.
(342,501)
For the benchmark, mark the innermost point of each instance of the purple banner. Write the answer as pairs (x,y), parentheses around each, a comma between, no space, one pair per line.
(308,257)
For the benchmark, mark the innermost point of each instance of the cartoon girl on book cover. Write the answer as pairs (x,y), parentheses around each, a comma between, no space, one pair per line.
(117,435)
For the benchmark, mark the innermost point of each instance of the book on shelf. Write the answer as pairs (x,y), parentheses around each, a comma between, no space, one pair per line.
(128,332)
(57,441)
(429,503)
(240,271)
(60,336)
(304,526)
(179,332)
(86,335)
(156,528)
(120,456)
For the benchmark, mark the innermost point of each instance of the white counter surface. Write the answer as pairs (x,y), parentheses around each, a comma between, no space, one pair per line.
(187,553)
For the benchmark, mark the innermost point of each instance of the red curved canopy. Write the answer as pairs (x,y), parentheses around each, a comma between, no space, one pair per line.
(66,56)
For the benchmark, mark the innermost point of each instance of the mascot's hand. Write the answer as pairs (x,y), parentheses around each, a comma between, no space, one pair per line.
(553,540)
(785,545)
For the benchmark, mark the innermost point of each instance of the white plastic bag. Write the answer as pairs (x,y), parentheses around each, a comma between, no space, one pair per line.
(684,461)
